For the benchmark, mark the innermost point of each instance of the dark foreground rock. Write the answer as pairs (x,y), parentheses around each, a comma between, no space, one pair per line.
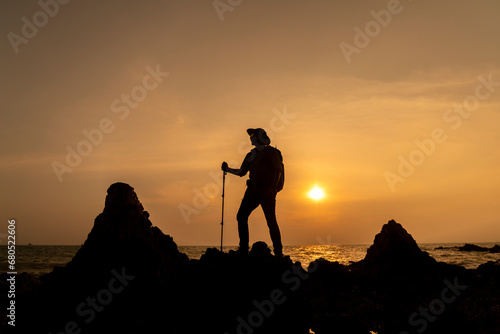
(129,277)
(125,266)
(398,288)
(258,293)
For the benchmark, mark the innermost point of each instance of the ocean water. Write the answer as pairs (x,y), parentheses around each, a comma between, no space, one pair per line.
(39,260)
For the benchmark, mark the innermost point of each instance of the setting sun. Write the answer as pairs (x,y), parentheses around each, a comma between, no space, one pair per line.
(316,193)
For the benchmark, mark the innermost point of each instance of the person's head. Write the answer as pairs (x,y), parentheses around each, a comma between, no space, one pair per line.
(258,136)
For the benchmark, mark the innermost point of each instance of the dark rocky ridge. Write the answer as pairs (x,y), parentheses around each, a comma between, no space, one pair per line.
(124,248)
(155,289)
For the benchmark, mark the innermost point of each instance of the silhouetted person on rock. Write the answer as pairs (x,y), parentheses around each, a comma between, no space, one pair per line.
(265,165)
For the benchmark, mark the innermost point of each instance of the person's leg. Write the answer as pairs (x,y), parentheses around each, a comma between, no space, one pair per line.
(249,202)
(268,203)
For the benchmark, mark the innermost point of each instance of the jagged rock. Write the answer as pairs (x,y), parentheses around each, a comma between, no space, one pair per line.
(397,282)
(380,292)
(125,262)
(472,248)
(394,245)
(122,236)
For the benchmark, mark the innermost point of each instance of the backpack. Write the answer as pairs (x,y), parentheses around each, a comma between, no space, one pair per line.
(281,181)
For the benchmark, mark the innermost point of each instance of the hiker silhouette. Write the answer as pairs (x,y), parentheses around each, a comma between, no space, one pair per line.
(265,164)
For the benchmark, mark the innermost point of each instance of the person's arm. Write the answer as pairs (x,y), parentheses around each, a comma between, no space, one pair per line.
(242,171)
(239,171)
(233,171)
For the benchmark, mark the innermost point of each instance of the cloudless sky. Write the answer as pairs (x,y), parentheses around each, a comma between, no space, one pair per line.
(395,118)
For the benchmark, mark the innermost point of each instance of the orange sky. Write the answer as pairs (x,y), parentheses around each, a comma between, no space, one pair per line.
(391,107)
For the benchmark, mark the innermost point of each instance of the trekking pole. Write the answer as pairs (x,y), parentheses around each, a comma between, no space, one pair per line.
(222,219)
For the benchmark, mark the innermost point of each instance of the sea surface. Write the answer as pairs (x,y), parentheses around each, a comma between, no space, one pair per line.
(39,260)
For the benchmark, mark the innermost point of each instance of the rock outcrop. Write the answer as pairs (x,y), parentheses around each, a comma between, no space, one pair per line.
(124,267)
(394,246)
(476,248)
(472,248)
(129,277)
(254,293)
(382,291)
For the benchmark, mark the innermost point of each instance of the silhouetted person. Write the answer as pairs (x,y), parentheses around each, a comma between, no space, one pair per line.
(266,178)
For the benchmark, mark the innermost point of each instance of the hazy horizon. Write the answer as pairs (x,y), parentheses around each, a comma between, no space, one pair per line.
(270,245)
(391,107)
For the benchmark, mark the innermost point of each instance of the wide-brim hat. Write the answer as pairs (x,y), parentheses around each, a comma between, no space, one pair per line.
(261,134)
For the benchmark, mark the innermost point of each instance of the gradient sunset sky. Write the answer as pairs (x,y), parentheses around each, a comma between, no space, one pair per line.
(392,108)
